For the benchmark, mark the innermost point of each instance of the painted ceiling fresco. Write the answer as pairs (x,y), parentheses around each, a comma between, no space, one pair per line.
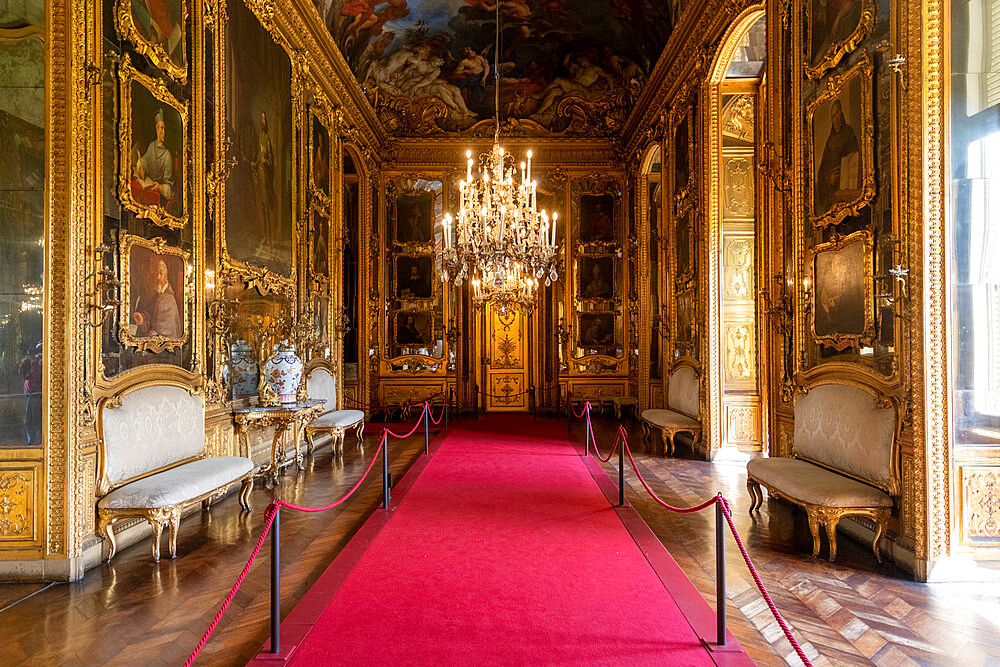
(570,67)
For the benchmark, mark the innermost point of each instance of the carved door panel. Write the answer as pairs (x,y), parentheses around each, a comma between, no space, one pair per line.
(506,361)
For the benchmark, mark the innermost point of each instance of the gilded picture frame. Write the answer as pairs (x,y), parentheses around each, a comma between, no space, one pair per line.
(134,176)
(850,148)
(319,151)
(319,244)
(597,331)
(414,207)
(417,333)
(684,317)
(839,41)
(682,156)
(842,305)
(153,316)
(684,247)
(596,277)
(130,30)
(420,289)
(587,194)
(236,270)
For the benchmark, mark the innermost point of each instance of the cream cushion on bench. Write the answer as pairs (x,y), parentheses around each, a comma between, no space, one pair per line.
(153,464)
(683,393)
(179,484)
(844,461)
(814,485)
(322,384)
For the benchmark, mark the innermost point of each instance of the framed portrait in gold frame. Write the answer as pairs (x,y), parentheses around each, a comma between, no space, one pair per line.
(154,300)
(597,331)
(413,329)
(840,147)
(319,152)
(843,300)
(684,253)
(682,157)
(152,148)
(596,276)
(158,30)
(834,28)
(596,213)
(413,277)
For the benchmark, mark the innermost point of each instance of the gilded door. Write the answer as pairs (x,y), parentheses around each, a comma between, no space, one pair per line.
(506,361)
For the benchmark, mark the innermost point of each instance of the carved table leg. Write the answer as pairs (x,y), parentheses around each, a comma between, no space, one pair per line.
(296,434)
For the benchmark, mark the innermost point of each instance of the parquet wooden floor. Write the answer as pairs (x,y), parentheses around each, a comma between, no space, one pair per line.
(853,612)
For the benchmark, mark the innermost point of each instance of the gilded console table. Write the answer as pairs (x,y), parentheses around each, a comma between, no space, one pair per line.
(281,417)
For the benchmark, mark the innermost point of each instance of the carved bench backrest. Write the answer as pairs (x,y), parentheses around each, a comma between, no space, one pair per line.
(153,427)
(846,428)
(322,385)
(683,391)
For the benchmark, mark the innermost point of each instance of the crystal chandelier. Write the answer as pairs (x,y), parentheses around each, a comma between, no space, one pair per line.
(503,244)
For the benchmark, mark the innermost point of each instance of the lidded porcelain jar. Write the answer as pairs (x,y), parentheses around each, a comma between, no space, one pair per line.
(284,372)
(244,369)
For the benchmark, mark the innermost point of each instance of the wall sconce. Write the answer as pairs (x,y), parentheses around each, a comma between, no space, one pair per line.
(772,165)
(807,295)
(452,334)
(779,307)
(104,298)
(563,332)
(892,284)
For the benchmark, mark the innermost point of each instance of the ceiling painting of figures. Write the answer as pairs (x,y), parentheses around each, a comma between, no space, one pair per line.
(571,67)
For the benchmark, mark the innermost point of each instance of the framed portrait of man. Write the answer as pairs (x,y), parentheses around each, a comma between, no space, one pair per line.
(596,331)
(319,163)
(834,28)
(158,30)
(840,147)
(595,278)
(414,277)
(413,219)
(154,304)
(597,218)
(414,328)
(683,138)
(843,302)
(152,149)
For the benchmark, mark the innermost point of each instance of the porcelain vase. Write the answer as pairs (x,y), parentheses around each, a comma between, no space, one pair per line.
(244,371)
(284,372)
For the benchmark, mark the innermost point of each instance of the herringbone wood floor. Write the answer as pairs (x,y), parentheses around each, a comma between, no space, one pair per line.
(138,612)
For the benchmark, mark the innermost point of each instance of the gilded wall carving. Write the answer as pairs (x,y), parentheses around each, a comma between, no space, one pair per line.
(16,491)
(981,511)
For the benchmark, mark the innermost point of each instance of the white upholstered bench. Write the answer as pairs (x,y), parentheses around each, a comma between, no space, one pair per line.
(845,461)
(153,463)
(321,383)
(681,414)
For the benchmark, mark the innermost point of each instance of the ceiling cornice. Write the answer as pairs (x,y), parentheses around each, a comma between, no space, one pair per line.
(449,152)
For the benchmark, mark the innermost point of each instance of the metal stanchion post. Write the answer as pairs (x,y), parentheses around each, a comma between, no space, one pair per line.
(276,581)
(385,471)
(447,406)
(569,415)
(621,473)
(427,428)
(720,573)
(586,415)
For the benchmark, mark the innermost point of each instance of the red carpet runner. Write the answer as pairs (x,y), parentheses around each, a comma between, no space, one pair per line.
(503,551)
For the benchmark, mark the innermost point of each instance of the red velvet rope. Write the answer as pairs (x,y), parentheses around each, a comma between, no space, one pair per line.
(269,521)
(444,406)
(614,449)
(585,411)
(378,406)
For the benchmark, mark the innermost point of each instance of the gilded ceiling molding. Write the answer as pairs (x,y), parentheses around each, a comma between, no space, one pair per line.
(433,152)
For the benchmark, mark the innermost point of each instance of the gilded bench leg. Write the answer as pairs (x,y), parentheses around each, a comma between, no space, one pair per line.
(360,431)
(756,494)
(107,530)
(814,529)
(310,445)
(174,524)
(831,535)
(245,489)
(881,519)
(157,524)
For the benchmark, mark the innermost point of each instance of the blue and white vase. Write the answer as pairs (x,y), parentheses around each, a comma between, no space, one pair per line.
(284,372)
(244,371)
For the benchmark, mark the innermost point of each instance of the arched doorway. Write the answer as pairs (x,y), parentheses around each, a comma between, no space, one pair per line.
(735,91)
